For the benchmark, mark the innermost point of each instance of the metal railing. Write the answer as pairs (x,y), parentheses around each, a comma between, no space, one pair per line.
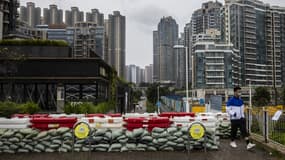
(260,122)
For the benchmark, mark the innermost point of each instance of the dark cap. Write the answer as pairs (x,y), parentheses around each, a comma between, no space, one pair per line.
(237,88)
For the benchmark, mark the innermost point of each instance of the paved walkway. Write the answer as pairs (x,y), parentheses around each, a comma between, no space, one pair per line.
(224,153)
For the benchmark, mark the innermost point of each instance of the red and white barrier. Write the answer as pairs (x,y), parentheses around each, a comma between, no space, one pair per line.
(14,123)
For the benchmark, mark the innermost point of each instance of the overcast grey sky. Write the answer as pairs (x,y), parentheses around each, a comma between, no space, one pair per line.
(142,17)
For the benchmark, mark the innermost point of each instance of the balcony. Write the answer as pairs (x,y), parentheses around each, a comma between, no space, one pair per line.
(218,77)
(215,64)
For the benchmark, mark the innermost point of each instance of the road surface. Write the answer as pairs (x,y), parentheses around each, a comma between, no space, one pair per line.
(224,153)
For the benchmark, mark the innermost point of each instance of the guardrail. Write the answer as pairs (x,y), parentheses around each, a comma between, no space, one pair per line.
(260,122)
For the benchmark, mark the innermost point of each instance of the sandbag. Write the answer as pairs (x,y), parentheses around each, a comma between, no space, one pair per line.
(157,130)
(138,132)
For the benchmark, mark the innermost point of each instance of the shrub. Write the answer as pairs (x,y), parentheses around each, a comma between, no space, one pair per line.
(29,42)
(150,108)
(8,108)
(88,107)
(29,108)
(104,107)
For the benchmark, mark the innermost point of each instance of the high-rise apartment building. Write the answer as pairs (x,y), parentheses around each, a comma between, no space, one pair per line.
(84,39)
(30,14)
(148,73)
(156,63)
(53,15)
(216,65)
(180,63)
(96,17)
(165,38)
(209,16)
(257,30)
(73,16)
(116,35)
(8,16)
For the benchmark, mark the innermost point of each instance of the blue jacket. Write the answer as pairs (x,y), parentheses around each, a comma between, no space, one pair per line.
(235,108)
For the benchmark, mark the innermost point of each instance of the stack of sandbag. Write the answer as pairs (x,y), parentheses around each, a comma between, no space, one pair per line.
(14,123)
(31,140)
(224,129)
(169,139)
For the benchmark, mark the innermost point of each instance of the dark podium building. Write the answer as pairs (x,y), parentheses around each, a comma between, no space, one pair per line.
(49,75)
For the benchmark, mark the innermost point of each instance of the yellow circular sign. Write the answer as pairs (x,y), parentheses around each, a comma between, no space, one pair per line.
(81,130)
(197,131)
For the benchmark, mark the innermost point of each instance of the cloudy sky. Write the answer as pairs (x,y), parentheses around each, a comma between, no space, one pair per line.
(142,17)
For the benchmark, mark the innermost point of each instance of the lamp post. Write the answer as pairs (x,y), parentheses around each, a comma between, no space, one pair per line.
(186,74)
(158,107)
(250,98)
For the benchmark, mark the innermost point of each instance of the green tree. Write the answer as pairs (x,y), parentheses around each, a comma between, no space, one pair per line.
(152,91)
(261,97)
(136,95)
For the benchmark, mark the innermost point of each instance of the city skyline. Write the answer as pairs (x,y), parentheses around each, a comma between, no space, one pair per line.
(142,17)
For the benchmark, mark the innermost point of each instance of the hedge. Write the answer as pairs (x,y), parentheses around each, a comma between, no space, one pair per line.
(88,107)
(8,108)
(29,42)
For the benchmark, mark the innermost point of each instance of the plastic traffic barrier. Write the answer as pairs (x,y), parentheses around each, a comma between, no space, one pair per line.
(176,114)
(21,115)
(135,120)
(14,123)
(158,120)
(66,115)
(47,126)
(48,123)
(14,126)
(95,115)
(114,115)
(39,115)
(138,115)
(54,120)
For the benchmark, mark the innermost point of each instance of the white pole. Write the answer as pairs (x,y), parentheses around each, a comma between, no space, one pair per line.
(250,100)
(192,84)
(158,107)
(126,102)
(187,100)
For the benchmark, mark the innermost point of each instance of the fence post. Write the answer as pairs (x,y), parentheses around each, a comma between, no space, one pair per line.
(249,119)
(265,124)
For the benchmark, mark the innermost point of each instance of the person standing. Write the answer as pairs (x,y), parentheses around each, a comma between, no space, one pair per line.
(235,108)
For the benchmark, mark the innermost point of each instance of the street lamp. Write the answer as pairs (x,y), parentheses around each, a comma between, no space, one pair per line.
(158,107)
(187,75)
(250,99)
